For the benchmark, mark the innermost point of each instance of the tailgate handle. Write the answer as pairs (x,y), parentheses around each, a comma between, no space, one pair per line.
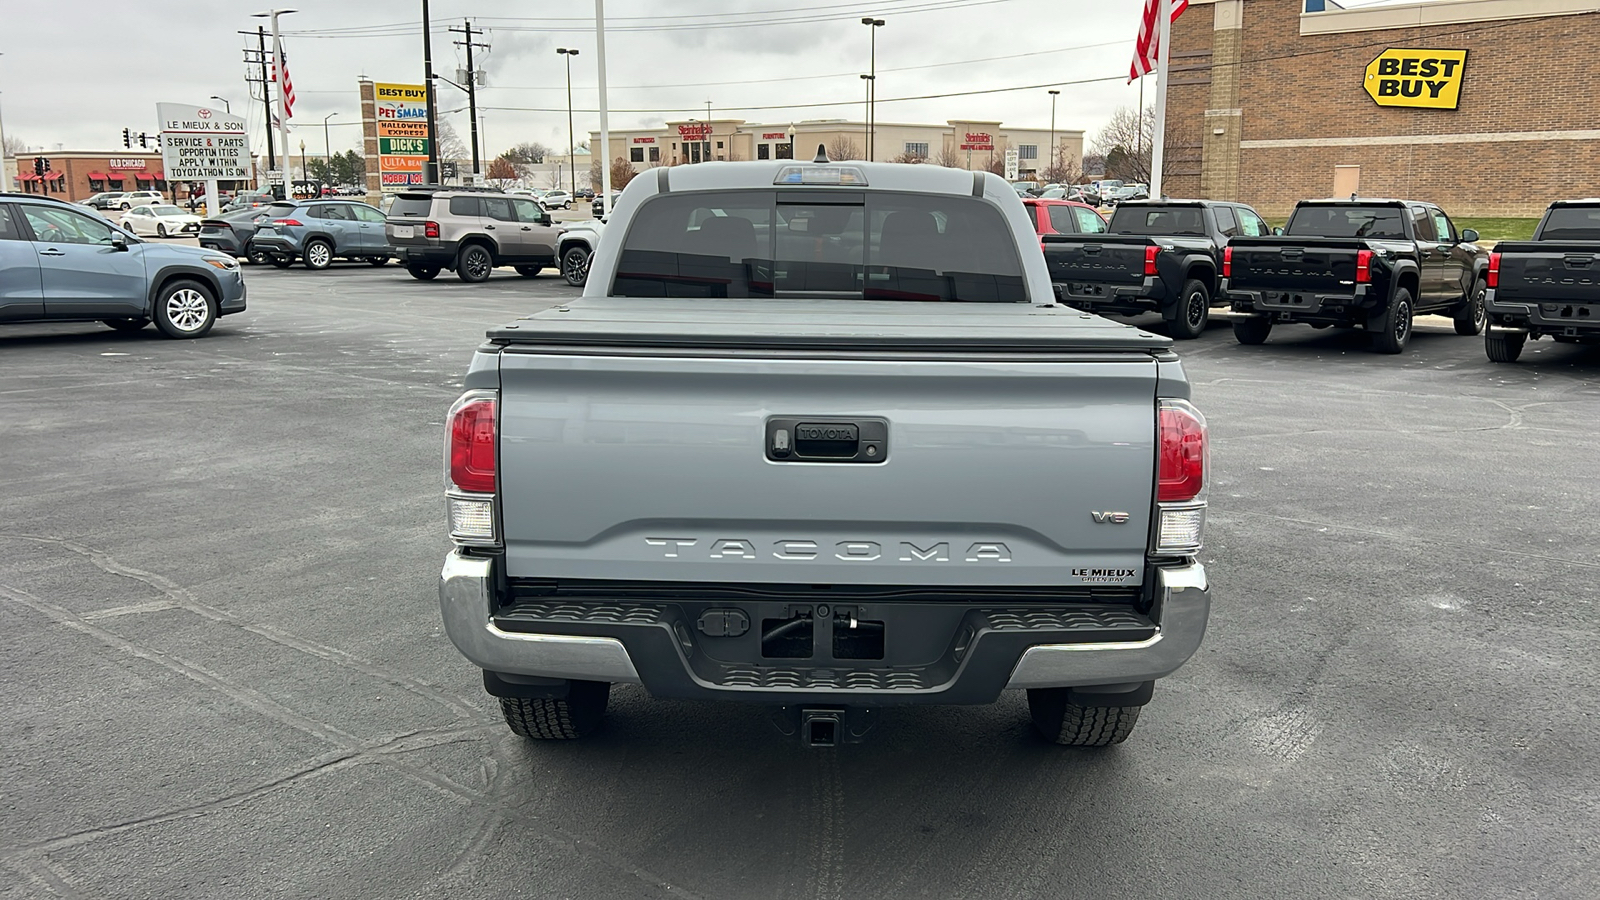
(1580,261)
(1092,249)
(795,439)
(1293,253)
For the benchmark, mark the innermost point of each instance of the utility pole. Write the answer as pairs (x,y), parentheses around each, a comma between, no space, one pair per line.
(431,176)
(472,89)
(266,92)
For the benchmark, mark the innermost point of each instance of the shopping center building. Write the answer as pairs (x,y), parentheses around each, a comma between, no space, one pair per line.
(80,174)
(972,145)
(1486,107)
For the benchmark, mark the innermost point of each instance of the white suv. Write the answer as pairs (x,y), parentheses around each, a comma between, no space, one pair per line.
(140,198)
(556,200)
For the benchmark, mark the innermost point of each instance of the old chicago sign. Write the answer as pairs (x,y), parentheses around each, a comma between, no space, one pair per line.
(1430,79)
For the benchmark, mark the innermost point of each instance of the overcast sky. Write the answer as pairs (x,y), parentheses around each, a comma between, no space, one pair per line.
(76,79)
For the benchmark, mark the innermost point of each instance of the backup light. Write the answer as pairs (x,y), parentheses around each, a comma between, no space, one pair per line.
(1179,529)
(471,469)
(842,175)
(471,520)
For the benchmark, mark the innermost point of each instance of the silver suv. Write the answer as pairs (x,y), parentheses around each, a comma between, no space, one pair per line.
(470,232)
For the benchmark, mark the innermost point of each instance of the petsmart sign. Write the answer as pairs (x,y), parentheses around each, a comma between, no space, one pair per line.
(402,114)
(1426,79)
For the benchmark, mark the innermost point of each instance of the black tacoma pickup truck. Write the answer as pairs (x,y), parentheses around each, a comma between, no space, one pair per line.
(1364,263)
(1549,285)
(1158,256)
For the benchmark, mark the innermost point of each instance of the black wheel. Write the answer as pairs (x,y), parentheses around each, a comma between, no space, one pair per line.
(1188,320)
(474,263)
(1391,330)
(161,229)
(575,265)
(1065,722)
(257,256)
(1504,346)
(423,273)
(376,261)
(318,254)
(126,206)
(127,326)
(185,309)
(529,271)
(573,716)
(282,262)
(1252,330)
(1472,318)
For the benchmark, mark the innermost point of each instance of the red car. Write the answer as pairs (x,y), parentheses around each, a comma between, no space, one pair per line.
(1064,217)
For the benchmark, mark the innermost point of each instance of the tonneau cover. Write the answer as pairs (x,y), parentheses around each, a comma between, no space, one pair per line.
(786,324)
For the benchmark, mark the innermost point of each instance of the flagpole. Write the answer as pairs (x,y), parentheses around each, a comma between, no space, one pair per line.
(1164,54)
(283,104)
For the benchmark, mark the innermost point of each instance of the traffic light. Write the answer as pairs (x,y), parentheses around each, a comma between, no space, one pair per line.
(127,138)
(144,140)
(38,166)
(47,165)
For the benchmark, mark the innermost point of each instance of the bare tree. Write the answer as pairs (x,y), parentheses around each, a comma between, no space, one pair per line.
(1127,142)
(996,161)
(843,147)
(15,146)
(450,144)
(950,158)
(1094,164)
(527,152)
(596,176)
(911,158)
(556,177)
(1064,171)
(621,173)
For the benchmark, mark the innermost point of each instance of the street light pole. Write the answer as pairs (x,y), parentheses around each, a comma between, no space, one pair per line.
(225,107)
(707,157)
(304,175)
(572,146)
(4,174)
(868,124)
(1054,165)
(872,89)
(327,148)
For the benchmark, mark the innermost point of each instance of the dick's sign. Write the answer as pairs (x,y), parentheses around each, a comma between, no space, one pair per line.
(1426,79)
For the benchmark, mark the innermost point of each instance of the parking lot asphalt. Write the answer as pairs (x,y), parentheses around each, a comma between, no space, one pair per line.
(224,675)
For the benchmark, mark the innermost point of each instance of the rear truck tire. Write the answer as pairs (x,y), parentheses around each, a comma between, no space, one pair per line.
(282,262)
(126,326)
(571,717)
(185,309)
(1504,346)
(1252,329)
(1391,329)
(1189,316)
(529,271)
(376,261)
(575,265)
(423,273)
(257,257)
(318,254)
(474,264)
(1073,725)
(1472,318)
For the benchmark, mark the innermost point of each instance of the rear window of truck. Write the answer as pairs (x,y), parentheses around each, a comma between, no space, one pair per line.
(1155,220)
(826,244)
(1572,224)
(1346,222)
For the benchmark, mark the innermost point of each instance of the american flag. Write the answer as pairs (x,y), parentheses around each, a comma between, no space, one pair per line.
(1147,49)
(288,83)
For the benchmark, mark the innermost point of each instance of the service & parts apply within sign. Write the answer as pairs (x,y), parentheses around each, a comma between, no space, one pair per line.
(202,144)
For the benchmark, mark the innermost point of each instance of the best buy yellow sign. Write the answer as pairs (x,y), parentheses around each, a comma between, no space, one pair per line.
(1430,79)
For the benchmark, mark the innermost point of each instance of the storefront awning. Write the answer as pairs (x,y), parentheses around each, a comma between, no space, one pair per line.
(157,176)
(98,176)
(28,176)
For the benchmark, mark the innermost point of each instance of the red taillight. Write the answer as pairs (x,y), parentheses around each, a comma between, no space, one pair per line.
(430,229)
(472,440)
(1363,267)
(293,223)
(1150,260)
(1181,472)
(1227,262)
(1494,270)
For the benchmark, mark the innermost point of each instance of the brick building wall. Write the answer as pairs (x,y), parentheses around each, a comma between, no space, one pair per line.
(1527,130)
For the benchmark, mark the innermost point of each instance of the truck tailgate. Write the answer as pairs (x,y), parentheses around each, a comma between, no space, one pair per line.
(998,468)
(1549,271)
(1309,265)
(1096,259)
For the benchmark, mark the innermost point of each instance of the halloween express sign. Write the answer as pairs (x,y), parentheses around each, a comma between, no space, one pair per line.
(1426,79)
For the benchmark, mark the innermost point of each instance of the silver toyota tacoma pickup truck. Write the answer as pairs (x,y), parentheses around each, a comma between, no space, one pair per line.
(818,436)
